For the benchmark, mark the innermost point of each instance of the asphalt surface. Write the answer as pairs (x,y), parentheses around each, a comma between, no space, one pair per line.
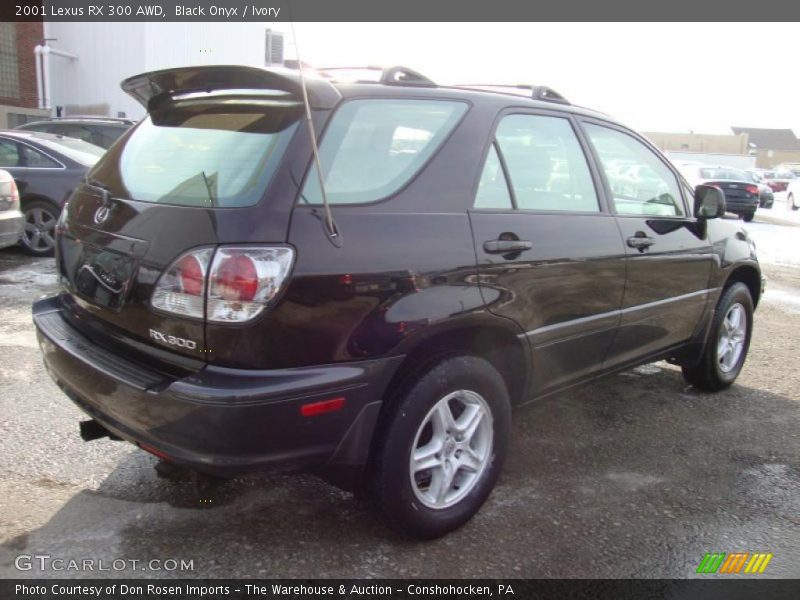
(636,475)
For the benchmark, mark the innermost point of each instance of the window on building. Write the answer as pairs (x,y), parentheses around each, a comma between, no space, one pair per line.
(274,48)
(17,119)
(9,68)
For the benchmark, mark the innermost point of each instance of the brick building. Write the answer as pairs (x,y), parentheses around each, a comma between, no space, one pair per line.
(19,100)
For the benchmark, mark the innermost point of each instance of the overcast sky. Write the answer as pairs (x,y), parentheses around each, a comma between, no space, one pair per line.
(652,76)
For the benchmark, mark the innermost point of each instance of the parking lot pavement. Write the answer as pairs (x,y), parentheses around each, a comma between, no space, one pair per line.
(779,214)
(636,475)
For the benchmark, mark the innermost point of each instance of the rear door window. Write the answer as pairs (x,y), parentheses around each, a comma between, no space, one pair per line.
(9,154)
(72,130)
(493,187)
(34,159)
(545,164)
(374,147)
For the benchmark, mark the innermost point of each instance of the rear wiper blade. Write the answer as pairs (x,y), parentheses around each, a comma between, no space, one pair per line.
(208,188)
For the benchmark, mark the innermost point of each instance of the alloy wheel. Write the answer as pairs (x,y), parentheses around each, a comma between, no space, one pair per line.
(39,228)
(733,332)
(452,449)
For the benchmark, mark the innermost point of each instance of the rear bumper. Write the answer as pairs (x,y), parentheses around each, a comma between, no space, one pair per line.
(741,205)
(220,421)
(11,226)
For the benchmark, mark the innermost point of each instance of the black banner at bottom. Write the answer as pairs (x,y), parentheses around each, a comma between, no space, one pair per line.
(376,589)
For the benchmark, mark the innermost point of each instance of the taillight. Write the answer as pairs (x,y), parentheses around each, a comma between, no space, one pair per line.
(180,289)
(10,200)
(752,189)
(236,279)
(191,275)
(231,285)
(243,280)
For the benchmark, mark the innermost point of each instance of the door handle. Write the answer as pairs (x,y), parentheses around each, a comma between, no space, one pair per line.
(641,241)
(506,246)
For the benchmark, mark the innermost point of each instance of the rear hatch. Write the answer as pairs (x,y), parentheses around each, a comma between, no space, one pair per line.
(206,167)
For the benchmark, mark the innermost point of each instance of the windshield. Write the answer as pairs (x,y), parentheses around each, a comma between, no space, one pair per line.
(78,150)
(724,173)
(211,156)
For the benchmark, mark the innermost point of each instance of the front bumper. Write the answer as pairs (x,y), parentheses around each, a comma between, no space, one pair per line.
(11,226)
(217,420)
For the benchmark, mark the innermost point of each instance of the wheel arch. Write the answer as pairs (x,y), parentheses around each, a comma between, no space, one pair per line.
(494,340)
(748,275)
(28,198)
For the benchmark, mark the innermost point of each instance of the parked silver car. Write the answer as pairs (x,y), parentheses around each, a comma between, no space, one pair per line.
(11,219)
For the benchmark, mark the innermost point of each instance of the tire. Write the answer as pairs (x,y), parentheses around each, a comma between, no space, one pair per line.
(463,386)
(790,200)
(716,372)
(38,237)
(748,217)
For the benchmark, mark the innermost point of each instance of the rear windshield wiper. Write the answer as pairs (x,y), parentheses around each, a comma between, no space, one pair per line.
(208,188)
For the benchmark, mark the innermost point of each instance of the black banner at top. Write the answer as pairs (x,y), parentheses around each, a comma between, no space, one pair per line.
(405,10)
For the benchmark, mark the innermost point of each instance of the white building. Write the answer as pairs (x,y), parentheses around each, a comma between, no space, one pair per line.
(86,62)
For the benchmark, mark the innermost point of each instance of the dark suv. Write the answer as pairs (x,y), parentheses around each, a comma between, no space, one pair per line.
(486,250)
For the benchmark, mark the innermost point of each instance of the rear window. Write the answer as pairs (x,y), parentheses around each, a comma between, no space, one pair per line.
(211,157)
(731,174)
(374,147)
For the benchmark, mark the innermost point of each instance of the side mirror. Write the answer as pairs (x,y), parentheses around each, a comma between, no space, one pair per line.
(709,202)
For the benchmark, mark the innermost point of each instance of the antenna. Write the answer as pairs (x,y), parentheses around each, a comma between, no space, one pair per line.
(331,227)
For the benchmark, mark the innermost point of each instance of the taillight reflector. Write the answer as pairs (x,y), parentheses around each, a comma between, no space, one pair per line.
(237,279)
(190,274)
(322,407)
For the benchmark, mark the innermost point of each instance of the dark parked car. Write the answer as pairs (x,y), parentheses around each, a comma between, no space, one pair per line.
(47,168)
(742,194)
(766,197)
(11,220)
(100,131)
(479,257)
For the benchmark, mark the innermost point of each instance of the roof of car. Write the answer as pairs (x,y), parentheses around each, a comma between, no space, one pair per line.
(30,135)
(325,88)
(84,120)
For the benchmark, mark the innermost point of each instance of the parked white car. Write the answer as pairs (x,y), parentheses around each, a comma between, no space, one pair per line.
(11,219)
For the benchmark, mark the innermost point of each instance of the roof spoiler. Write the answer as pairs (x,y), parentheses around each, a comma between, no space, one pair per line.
(150,89)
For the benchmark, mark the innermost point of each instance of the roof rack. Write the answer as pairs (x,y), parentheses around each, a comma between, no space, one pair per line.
(395,75)
(537,92)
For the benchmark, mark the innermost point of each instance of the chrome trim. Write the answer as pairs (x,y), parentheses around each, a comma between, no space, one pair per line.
(614,313)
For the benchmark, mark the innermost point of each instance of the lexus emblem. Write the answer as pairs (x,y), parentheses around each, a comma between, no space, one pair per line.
(101,214)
